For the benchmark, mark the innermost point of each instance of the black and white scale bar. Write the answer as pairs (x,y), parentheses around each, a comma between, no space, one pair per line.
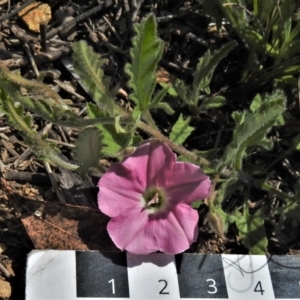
(90,275)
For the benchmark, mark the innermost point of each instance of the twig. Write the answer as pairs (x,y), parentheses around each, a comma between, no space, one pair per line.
(4,271)
(68,88)
(126,6)
(22,157)
(31,60)
(33,178)
(60,129)
(105,42)
(9,148)
(298,102)
(54,183)
(79,18)
(61,143)
(43,31)
(15,11)
(112,29)
(39,59)
(137,9)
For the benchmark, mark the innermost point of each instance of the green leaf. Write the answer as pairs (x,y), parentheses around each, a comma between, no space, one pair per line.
(238,117)
(181,130)
(23,124)
(228,187)
(251,129)
(252,231)
(145,54)
(183,91)
(171,89)
(256,103)
(112,140)
(88,149)
(158,97)
(87,64)
(206,68)
(212,102)
(166,107)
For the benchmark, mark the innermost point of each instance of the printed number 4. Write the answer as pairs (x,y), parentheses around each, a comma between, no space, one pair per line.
(212,286)
(258,288)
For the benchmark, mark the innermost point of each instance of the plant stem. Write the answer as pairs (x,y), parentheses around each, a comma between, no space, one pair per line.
(179,149)
(148,118)
(268,188)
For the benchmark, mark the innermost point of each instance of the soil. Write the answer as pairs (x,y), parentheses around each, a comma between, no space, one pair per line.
(26,224)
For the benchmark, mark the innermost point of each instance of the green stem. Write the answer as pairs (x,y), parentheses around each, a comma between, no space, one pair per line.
(148,118)
(268,188)
(179,149)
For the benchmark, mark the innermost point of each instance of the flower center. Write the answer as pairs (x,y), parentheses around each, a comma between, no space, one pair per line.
(154,200)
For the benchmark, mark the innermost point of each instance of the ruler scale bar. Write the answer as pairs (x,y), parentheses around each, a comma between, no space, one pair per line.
(87,275)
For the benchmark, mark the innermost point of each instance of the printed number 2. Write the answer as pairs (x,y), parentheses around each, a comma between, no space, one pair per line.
(162,291)
(213,286)
(258,288)
(112,281)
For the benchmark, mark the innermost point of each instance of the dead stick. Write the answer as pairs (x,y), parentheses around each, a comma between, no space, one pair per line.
(81,17)
(15,11)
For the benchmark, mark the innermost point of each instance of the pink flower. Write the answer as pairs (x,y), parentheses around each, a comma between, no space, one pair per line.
(148,197)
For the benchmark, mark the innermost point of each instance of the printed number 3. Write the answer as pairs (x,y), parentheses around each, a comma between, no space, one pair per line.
(212,286)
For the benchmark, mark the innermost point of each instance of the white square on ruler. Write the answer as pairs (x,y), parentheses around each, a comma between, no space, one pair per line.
(51,275)
(247,277)
(152,276)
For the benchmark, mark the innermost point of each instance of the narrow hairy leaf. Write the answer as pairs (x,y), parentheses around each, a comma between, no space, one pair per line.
(183,91)
(145,53)
(181,130)
(88,149)
(253,128)
(206,68)
(252,231)
(166,107)
(87,64)
(212,102)
(112,140)
(23,124)
(227,188)
(42,102)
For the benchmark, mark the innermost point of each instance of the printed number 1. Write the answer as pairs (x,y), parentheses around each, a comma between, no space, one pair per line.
(213,286)
(112,281)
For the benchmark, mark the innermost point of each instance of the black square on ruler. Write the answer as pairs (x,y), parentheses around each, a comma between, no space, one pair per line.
(201,276)
(101,274)
(285,276)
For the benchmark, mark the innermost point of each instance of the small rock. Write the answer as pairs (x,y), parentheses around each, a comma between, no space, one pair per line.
(5,290)
(2,248)
(35,14)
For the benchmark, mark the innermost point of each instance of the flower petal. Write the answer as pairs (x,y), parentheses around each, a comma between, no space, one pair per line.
(171,234)
(120,191)
(124,228)
(152,161)
(187,183)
